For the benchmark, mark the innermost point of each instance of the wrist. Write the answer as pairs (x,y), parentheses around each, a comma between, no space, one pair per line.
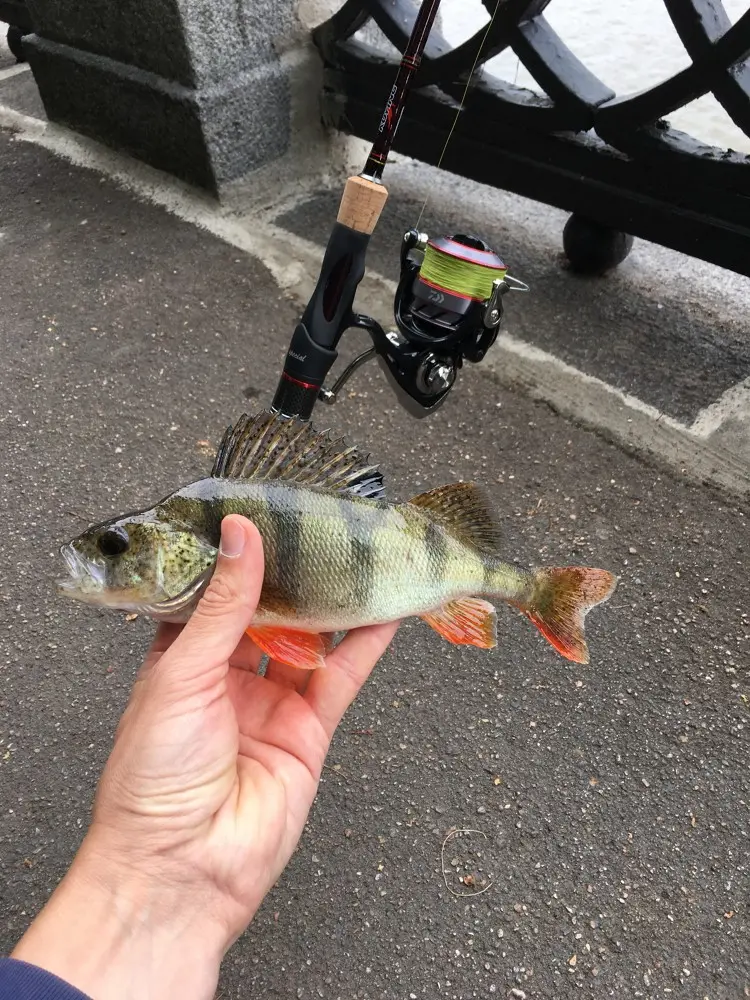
(116,933)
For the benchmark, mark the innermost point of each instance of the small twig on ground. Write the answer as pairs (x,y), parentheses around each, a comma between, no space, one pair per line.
(82,517)
(453,892)
(336,768)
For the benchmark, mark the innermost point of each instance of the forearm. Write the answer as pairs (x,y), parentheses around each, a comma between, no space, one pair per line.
(121,937)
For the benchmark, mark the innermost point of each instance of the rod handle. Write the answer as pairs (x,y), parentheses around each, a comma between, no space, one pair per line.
(361,204)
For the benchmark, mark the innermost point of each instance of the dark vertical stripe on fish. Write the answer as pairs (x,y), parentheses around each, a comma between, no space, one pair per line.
(361,544)
(212,519)
(437,548)
(489,577)
(285,517)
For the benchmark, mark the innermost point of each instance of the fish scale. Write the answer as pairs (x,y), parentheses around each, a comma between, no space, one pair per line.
(337,554)
(332,570)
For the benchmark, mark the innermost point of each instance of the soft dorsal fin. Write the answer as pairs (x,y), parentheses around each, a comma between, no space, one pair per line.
(464,509)
(267,446)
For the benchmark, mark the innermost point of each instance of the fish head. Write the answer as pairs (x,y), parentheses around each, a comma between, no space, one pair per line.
(139,562)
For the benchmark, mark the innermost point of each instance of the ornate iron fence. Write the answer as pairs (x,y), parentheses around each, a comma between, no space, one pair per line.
(16,15)
(613,161)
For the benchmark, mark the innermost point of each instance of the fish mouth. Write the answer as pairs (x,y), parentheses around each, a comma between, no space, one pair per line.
(84,577)
(86,582)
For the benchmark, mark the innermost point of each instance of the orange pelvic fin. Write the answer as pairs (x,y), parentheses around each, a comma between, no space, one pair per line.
(468,622)
(562,599)
(291,646)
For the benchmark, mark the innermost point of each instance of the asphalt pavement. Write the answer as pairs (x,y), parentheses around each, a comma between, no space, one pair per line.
(610,801)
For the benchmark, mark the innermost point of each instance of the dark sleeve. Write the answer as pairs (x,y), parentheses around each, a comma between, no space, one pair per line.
(21,981)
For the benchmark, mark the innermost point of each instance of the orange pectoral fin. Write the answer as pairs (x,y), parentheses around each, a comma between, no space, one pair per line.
(468,622)
(304,650)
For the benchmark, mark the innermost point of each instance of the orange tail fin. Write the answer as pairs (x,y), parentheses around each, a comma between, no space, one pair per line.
(562,599)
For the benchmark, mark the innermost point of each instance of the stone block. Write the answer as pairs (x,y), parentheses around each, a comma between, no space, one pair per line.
(193,87)
(146,36)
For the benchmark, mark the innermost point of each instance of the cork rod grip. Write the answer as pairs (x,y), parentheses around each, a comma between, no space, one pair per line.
(361,204)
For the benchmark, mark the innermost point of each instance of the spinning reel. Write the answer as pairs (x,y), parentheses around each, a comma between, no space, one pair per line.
(448,308)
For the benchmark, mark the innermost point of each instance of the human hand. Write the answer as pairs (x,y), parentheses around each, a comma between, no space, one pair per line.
(203,799)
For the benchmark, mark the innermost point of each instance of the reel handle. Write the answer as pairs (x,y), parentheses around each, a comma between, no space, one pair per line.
(420,378)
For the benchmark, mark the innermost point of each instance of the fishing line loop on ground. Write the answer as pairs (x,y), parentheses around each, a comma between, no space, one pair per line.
(462,895)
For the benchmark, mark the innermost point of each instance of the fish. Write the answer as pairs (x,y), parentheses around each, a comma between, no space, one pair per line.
(337,553)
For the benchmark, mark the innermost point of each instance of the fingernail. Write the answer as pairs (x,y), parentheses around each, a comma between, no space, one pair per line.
(232,539)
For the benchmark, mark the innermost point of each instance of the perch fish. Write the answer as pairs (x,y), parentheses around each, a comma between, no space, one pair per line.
(338,555)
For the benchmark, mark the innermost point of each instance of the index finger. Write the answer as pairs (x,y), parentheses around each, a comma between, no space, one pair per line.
(333,688)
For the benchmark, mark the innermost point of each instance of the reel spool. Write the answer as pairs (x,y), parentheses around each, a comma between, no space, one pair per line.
(448,307)
(449,293)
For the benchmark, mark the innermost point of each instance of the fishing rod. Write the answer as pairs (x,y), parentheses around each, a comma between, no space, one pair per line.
(448,304)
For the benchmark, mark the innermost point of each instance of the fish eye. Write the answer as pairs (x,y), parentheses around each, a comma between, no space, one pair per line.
(113,542)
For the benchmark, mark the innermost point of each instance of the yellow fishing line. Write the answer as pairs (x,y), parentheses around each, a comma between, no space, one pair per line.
(462,102)
(456,275)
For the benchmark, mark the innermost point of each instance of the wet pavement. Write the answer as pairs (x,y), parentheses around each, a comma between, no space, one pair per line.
(611,801)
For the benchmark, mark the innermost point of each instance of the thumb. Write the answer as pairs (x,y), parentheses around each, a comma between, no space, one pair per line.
(227,607)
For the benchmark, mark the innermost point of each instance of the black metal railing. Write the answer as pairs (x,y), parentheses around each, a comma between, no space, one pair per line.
(16,15)
(613,161)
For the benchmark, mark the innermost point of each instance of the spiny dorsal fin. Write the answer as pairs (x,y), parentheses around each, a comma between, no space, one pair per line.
(267,446)
(463,509)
